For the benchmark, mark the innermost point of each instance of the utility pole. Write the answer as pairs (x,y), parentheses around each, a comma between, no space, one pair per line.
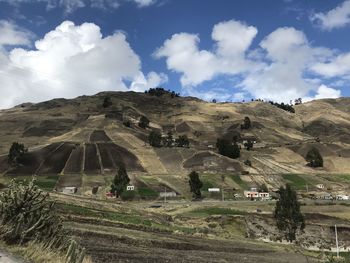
(164,194)
(336,240)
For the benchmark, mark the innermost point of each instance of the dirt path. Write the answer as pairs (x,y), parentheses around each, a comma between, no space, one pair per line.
(7,258)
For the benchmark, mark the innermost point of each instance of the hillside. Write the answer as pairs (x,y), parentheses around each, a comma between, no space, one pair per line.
(78,142)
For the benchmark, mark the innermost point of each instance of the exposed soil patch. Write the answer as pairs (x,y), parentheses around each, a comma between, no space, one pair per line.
(92,164)
(74,163)
(99,136)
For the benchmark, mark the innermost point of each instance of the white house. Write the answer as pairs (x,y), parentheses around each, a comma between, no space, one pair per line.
(130,188)
(342,197)
(256,194)
(69,190)
(320,186)
(214,190)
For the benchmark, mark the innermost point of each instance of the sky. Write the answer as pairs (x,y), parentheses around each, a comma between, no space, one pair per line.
(228,50)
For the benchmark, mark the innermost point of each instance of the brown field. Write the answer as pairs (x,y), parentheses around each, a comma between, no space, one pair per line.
(92,164)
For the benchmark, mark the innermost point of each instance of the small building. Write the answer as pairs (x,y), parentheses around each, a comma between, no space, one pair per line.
(251,194)
(320,186)
(130,188)
(255,194)
(213,190)
(167,194)
(69,190)
(342,197)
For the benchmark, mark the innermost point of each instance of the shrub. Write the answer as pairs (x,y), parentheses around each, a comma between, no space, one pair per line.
(155,138)
(314,158)
(143,122)
(16,154)
(246,124)
(183,141)
(107,102)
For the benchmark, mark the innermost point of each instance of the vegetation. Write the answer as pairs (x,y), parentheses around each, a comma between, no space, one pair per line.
(227,148)
(314,158)
(249,145)
(127,123)
(120,181)
(168,141)
(16,154)
(155,139)
(283,106)
(248,162)
(263,188)
(289,218)
(143,122)
(107,102)
(160,92)
(246,124)
(195,185)
(26,215)
(182,141)
(217,211)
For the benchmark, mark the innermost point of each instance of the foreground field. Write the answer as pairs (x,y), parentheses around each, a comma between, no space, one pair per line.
(184,231)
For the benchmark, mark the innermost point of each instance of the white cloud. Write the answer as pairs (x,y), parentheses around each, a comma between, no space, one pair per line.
(69,61)
(69,6)
(335,18)
(144,3)
(183,55)
(337,66)
(142,83)
(11,34)
(324,92)
(276,70)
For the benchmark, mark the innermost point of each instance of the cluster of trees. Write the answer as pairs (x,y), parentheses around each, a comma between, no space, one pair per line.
(246,124)
(16,154)
(161,91)
(155,139)
(283,106)
(314,158)
(228,148)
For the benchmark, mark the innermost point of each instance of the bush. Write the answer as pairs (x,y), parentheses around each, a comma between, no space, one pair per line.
(246,124)
(16,154)
(107,102)
(128,195)
(314,158)
(248,162)
(155,138)
(26,215)
(226,148)
(127,124)
(143,122)
(183,141)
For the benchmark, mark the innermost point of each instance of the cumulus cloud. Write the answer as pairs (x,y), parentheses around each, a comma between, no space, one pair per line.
(143,3)
(337,66)
(324,92)
(335,18)
(276,70)
(69,61)
(283,79)
(183,55)
(11,34)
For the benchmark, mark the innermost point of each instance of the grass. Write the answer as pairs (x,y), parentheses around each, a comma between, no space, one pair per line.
(147,192)
(46,183)
(208,211)
(299,183)
(238,180)
(112,216)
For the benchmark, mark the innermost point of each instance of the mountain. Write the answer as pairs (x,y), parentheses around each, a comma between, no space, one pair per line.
(84,143)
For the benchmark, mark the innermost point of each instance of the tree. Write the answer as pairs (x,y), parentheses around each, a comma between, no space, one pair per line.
(168,141)
(287,213)
(314,158)
(183,141)
(107,102)
(226,148)
(120,181)
(155,138)
(195,185)
(246,124)
(143,122)
(249,145)
(16,154)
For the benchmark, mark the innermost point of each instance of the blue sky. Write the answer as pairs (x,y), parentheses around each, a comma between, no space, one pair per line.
(228,50)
